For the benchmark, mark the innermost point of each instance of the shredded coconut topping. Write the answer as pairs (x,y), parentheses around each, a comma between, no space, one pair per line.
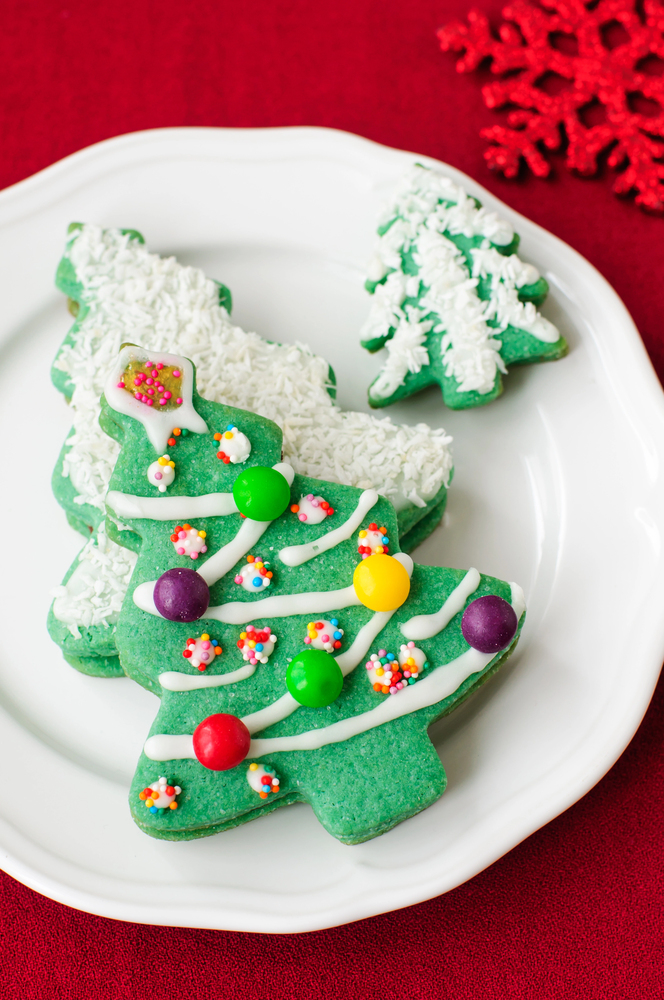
(94,593)
(426,206)
(132,295)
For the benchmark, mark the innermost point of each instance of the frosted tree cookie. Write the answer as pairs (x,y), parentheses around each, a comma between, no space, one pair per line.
(120,292)
(252,716)
(452,301)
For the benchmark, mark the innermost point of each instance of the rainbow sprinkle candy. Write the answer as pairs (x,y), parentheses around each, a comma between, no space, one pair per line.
(324,635)
(256,645)
(389,675)
(255,575)
(263,779)
(147,386)
(201,652)
(188,541)
(373,541)
(160,795)
(233,446)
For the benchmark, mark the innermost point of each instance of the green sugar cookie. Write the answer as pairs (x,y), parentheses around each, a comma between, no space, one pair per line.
(453,303)
(300,659)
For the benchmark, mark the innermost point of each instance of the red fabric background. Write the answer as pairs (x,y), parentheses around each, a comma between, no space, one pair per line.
(573,912)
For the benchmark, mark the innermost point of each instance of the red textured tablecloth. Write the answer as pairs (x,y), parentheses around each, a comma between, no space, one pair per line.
(576,910)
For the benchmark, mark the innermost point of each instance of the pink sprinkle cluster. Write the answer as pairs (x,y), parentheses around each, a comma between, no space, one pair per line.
(151,382)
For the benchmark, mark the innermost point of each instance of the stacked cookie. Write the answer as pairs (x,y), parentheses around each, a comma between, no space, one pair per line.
(246,555)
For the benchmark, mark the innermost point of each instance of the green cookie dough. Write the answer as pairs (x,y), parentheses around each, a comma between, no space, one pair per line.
(453,302)
(364,762)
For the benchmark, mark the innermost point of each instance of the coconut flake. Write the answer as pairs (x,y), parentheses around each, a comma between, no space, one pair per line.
(136,296)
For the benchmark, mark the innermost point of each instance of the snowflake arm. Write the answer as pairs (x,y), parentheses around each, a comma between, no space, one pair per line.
(551,89)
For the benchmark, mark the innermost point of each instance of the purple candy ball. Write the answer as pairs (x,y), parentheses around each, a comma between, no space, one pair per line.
(489,624)
(181,595)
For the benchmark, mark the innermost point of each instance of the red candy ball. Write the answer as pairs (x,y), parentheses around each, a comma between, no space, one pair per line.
(221,742)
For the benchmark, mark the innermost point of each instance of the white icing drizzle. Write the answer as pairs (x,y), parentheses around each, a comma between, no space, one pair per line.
(347,661)
(144,598)
(470,348)
(271,714)
(162,746)
(296,555)
(437,685)
(171,508)
(222,561)
(158,423)
(281,606)
(426,626)
(518,599)
(286,705)
(363,641)
(434,687)
(176,680)
(186,507)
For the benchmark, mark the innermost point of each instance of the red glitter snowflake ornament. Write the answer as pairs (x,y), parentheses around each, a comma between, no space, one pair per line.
(590,68)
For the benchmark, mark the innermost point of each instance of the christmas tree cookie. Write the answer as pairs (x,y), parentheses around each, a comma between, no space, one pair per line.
(452,301)
(301,656)
(120,292)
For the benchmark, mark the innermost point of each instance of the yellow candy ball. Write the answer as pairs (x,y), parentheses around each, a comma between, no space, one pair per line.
(381,583)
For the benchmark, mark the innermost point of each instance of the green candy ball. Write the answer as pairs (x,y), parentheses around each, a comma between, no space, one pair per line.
(261,493)
(314,678)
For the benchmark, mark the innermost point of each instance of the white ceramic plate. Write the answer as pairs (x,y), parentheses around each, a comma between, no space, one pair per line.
(558,486)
